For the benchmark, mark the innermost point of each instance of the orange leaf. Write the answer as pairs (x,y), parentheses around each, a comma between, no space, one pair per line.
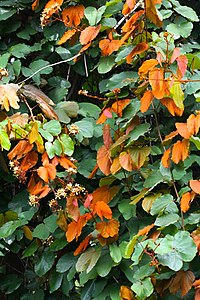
(103,116)
(115,167)
(75,228)
(35,4)
(104,193)
(126,161)
(195,186)
(171,106)
(186,200)
(102,210)
(128,6)
(72,208)
(37,187)
(183,281)
(193,124)
(109,46)
(126,293)
(170,136)
(166,158)
(83,245)
(103,159)
(180,151)
(196,283)
(93,173)
(129,25)
(107,136)
(66,36)
(146,100)
(50,8)
(8,96)
(147,66)
(66,163)
(140,48)
(29,161)
(108,229)
(151,12)
(45,159)
(47,172)
(183,130)
(20,150)
(156,80)
(89,34)
(145,230)
(119,105)
(196,238)
(197,294)
(72,15)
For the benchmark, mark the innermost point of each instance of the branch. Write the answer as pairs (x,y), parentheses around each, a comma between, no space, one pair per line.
(51,65)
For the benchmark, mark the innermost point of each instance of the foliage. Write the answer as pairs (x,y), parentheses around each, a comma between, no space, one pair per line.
(99,135)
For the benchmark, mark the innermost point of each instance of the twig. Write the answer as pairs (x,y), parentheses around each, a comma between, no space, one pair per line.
(51,65)
(124,17)
(85,65)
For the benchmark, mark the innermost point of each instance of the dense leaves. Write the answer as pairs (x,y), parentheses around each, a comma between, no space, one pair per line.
(99,135)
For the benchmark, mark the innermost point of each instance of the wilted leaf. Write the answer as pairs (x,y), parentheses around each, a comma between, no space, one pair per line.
(126,293)
(108,229)
(109,46)
(47,172)
(107,136)
(72,15)
(29,161)
(177,94)
(151,12)
(183,281)
(129,25)
(115,167)
(20,150)
(8,96)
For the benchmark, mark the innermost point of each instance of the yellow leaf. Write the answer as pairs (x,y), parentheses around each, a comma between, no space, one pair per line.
(177,95)
(34,133)
(27,232)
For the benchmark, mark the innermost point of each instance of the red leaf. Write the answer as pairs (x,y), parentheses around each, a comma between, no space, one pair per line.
(175,55)
(182,65)
(72,208)
(89,34)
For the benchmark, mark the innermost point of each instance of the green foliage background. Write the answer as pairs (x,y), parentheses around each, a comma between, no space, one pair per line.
(45,268)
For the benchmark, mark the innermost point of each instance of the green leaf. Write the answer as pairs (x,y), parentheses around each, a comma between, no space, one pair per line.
(120,80)
(195,140)
(153,179)
(115,253)
(86,128)
(177,94)
(89,110)
(20,50)
(48,136)
(4,140)
(160,204)
(53,127)
(55,281)
(143,288)
(67,144)
(41,232)
(130,246)
(88,260)
(166,219)
(65,263)
(50,223)
(44,262)
(103,268)
(106,63)
(138,131)
(143,271)
(187,12)
(30,250)
(6,13)
(10,283)
(180,27)
(50,149)
(91,15)
(57,147)
(126,209)
(4,60)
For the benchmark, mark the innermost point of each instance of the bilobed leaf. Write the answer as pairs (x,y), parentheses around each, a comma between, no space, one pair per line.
(180,151)
(53,127)
(146,100)
(108,229)
(126,161)
(183,130)
(156,80)
(140,48)
(139,156)
(143,288)
(88,260)
(102,210)
(72,15)
(183,281)
(67,144)
(147,66)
